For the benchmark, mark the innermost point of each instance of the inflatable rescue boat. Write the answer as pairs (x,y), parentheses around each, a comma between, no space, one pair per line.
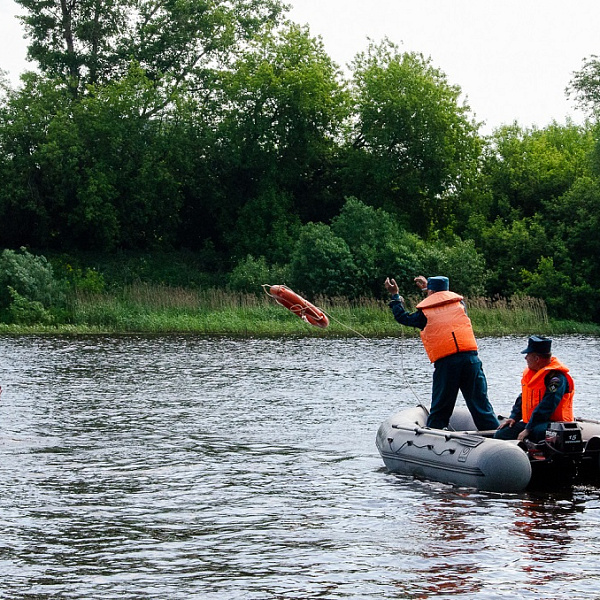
(465,457)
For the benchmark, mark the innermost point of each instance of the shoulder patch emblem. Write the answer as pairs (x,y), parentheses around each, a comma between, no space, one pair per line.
(553,384)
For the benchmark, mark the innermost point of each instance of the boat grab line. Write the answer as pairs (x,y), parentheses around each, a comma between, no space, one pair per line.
(465,439)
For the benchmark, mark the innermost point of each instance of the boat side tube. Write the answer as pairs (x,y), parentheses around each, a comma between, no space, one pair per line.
(458,458)
(590,431)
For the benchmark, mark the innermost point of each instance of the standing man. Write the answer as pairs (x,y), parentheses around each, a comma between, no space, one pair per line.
(547,392)
(449,341)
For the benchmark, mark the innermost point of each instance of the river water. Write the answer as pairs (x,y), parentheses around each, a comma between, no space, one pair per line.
(182,467)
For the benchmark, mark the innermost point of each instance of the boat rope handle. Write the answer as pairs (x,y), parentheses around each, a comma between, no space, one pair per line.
(428,446)
(264,286)
(431,447)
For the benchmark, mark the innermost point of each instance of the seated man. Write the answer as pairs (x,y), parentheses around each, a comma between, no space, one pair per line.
(546,395)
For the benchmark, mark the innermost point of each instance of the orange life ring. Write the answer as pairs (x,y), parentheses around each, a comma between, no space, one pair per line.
(299,306)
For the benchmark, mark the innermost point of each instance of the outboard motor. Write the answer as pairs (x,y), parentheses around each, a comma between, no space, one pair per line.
(564,438)
(557,458)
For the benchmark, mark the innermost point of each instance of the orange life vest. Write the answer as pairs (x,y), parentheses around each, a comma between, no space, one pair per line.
(533,387)
(448,330)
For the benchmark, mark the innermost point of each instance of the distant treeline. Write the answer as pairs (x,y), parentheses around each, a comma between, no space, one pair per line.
(225,133)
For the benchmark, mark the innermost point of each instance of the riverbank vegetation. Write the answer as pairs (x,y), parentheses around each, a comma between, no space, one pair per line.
(163,310)
(198,150)
(85,305)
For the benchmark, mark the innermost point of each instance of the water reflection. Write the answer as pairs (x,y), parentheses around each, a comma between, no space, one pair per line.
(543,532)
(450,566)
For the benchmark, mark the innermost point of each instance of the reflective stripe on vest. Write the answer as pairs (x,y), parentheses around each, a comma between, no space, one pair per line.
(533,387)
(448,329)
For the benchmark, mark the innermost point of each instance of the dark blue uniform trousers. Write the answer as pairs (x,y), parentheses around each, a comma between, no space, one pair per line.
(464,372)
(537,434)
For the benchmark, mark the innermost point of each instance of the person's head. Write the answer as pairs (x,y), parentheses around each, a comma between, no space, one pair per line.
(437,284)
(538,352)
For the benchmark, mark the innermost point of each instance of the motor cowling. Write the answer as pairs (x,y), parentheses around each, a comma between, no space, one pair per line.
(564,438)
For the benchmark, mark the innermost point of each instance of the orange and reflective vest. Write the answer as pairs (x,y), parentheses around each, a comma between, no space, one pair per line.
(448,329)
(533,388)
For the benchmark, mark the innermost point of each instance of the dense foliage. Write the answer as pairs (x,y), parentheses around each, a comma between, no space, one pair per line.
(224,133)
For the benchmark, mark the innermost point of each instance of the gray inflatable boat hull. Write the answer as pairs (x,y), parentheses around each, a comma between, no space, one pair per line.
(455,457)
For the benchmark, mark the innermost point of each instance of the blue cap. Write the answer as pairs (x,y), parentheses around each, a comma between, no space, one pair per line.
(538,345)
(438,284)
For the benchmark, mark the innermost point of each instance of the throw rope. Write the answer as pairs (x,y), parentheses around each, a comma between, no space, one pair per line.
(317,316)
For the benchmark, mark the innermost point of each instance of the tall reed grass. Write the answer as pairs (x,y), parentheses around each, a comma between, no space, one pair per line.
(154,308)
(518,314)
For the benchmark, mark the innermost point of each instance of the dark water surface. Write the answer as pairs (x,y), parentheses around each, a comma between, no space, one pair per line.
(181,467)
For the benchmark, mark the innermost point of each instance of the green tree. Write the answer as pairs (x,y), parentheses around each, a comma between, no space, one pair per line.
(90,173)
(28,285)
(266,226)
(522,213)
(585,86)
(251,273)
(413,142)
(572,222)
(574,219)
(284,107)
(176,42)
(508,249)
(561,292)
(458,260)
(523,168)
(26,117)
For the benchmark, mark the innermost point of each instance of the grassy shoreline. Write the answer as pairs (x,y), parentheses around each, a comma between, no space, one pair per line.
(165,310)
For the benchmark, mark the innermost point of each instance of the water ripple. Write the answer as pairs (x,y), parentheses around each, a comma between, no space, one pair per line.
(183,467)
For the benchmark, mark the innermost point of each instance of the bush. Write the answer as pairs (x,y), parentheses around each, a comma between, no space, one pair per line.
(28,278)
(460,262)
(27,312)
(85,280)
(561,292)
(322,264)
(380,248)
(251,273)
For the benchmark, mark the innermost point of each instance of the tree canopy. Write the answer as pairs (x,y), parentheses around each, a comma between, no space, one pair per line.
(413,141)
(176,42)
(221,128)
